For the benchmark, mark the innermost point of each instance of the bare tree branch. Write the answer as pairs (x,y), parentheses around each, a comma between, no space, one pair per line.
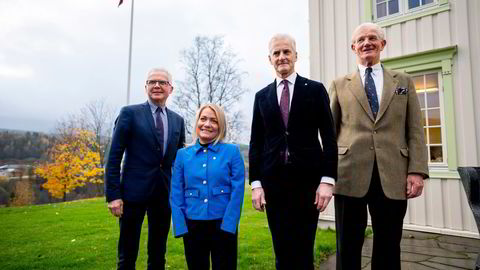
(211,76)
(97,116)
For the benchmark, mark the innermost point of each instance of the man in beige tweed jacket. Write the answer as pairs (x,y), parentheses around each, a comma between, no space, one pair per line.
(382,157)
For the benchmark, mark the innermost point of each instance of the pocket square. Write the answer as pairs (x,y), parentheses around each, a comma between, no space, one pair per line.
(401,91)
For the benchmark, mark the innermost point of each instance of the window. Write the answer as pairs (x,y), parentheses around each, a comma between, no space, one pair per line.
(387,8)
(431,72)
(430,98)
(417,3)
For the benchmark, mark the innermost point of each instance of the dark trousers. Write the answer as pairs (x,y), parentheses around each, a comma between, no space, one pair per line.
(205,238)
(387,223)
(159,214)
(292,219)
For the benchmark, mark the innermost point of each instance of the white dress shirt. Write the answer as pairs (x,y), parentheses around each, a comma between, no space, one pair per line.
(377,75)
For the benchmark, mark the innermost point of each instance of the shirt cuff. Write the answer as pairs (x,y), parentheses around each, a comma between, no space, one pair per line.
(256,184)
(326,180)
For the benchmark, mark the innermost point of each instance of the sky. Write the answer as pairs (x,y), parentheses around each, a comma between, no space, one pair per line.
(58,55)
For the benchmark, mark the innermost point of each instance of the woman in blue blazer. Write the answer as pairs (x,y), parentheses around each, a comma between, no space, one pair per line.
(207,194)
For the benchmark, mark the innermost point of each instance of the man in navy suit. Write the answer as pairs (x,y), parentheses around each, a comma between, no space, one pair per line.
(147,136)
(291,173)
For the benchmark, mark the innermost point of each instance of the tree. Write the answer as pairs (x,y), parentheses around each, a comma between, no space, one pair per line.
(97,116)
(73,161)
(212,75)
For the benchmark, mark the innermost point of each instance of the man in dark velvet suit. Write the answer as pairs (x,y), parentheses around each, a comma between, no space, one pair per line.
(292,173)
(147,136)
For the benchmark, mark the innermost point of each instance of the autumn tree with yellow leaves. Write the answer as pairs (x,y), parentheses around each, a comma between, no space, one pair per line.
(73,161)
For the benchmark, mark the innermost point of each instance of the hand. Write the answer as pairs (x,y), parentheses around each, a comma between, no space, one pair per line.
(323,196)
(414,185)
(258,199)
(116,207)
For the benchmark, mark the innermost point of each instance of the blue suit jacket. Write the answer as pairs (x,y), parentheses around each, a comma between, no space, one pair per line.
(208,183)
(144,168)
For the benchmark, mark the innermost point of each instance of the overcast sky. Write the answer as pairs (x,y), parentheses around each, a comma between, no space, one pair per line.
(57,55)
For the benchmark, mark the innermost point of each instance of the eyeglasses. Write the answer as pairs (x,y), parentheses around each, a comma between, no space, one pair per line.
(160,82)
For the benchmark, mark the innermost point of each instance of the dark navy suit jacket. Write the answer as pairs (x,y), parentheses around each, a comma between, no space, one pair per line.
(309,116)
(144,166)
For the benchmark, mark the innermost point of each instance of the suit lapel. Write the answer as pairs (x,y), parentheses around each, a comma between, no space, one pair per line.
(150,121)
(356,87)
(272,101)
(389,86)
(297,97)
(170,128)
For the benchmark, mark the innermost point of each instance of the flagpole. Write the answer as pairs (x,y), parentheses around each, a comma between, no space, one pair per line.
(130,54)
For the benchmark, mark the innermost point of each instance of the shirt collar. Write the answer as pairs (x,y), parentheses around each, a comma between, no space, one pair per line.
(154,107)
(211,147)
(375,68)
(291,79)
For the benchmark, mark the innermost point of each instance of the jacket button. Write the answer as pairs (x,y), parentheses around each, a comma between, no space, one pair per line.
(191,194)
(160,165)
(374,132)
(204,165)
(204,150)
(221,191)
(205,201)
(371,147)
(286,133)
(204,182)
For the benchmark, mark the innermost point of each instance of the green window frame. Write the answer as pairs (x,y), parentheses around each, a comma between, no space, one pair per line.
(441,60)
(404,13)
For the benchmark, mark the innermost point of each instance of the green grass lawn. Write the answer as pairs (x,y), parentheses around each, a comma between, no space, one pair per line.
(83,235)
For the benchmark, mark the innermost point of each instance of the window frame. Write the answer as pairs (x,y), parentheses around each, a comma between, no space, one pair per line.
(444,163)
(437,59)
(370,12)
(421,6)
(388,16)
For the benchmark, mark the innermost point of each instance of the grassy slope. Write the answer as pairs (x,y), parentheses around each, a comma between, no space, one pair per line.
(83,235)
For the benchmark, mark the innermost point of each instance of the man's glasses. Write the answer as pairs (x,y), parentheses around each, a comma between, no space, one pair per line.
(160,82)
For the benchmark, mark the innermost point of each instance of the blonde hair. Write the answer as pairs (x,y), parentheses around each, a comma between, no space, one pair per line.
(221,119)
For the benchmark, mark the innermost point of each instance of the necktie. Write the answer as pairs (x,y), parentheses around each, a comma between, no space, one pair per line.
(159,127)
(285,102)
(371,92)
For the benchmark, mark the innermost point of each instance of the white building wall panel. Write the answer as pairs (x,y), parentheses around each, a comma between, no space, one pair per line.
(442,208)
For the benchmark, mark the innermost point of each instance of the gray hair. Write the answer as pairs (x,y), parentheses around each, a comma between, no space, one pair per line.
(282,36)
(379,30)
(153,70)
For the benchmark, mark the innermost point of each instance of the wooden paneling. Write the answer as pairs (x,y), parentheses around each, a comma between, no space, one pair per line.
(442,208)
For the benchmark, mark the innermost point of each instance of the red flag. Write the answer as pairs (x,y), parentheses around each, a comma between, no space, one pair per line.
(120,2)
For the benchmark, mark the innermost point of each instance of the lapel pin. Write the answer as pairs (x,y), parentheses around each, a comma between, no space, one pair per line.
(306,83)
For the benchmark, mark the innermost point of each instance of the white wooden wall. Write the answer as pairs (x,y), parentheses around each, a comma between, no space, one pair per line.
(443,207)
